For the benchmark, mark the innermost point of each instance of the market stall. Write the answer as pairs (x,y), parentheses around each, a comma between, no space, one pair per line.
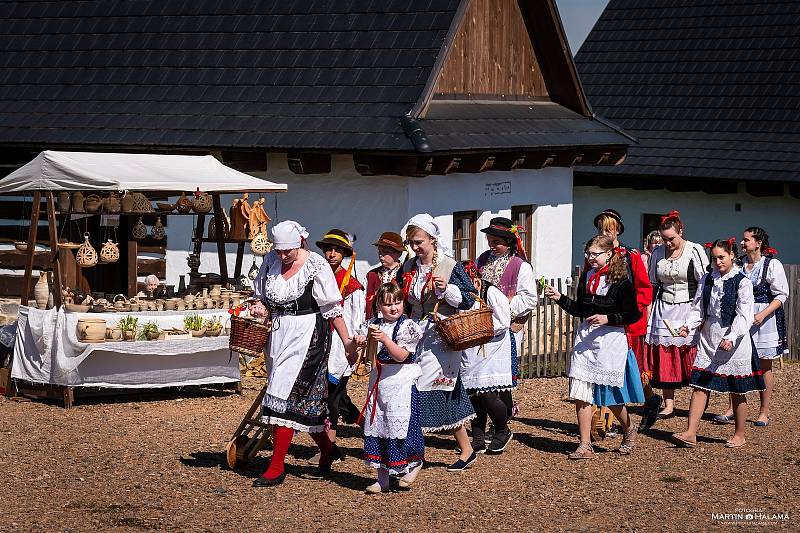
(63,344)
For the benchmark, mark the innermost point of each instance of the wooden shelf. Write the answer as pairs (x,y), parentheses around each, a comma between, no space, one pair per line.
(226,241)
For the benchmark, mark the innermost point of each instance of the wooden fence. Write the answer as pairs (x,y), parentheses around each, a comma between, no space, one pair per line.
(550,333)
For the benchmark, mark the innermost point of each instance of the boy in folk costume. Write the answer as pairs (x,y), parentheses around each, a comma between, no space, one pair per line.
(609,223)
(390,251)
(506,267)
(335,246)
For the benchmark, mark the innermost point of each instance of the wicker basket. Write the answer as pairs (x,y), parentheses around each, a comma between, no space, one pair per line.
(465,329)
(249,336)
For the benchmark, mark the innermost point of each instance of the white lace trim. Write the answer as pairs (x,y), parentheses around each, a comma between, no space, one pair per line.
(309,270)
(486,381)
(334,311)
(450,426)
(674,341)
(386,427)
(592,374)
(274,403)
(275,421)
(392,470)
(719,392)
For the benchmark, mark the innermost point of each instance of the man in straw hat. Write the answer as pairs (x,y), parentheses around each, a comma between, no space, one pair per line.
(336,245)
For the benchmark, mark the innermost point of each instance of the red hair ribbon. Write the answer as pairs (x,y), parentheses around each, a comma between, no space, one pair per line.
(472,270)
(520,246)
(708,245)
(770,251)
(672,214)
(732,242)
(620,251)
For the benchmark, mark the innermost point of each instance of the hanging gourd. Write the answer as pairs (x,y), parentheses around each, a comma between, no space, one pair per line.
(202,203)
(87,255)
(184,204)
(139,230)
(158,232)
(109,253)
(260,245)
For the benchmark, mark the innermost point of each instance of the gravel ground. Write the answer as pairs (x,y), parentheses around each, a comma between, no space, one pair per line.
(156,462)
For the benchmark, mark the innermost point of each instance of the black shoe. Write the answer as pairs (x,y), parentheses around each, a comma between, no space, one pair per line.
(320,472)
(500,441)
(650,414)
(460,465)
(269,482)
(478,446)
(488,437)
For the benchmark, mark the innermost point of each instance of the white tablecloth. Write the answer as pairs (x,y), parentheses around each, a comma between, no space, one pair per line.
(47,351)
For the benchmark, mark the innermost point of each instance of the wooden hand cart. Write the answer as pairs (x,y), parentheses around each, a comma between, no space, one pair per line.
(250,437)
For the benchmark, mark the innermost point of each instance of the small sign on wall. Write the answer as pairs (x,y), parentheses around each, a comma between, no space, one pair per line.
(497,188)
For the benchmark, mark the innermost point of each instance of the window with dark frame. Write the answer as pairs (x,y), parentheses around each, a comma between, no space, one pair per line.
(522,217)
(464,235)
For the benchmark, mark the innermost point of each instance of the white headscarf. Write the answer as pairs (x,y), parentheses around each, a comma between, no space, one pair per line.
(288,235)
(428,224)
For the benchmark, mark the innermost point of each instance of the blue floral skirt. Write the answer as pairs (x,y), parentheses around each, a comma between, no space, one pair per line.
(630,392)
(442,410)
(398,456)
(703,379)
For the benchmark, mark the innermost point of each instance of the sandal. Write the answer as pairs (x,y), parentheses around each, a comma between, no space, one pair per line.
(731,444)
(628,440)
(761,423)
(723,419)
(682,443)
(584,451)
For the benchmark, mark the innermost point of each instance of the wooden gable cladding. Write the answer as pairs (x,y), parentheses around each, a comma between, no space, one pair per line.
(491,56)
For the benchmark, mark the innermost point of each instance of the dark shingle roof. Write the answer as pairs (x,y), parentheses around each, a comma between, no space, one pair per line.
(710,88)
(272,73)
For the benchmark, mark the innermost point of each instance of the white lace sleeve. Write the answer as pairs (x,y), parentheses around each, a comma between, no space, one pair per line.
(326,293)
(409,335)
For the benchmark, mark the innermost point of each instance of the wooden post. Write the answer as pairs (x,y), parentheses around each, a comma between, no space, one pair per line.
(68,395)
(54,256)
(237,271)
(220,237)
(32,234)
(133,267)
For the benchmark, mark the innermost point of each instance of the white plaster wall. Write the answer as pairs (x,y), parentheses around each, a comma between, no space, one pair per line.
(707,216)
(369,205)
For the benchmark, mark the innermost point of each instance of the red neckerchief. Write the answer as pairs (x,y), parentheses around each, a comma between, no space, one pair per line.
(594,279)
(352,286)
(408,281)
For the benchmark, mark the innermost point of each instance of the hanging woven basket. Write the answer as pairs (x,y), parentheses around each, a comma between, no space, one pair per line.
(109,253)
(86,256)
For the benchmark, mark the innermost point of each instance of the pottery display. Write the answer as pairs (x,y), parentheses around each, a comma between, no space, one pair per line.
(91,329)
(87,255)
(112,203)
(202,203)
(41,291)
(109,253)
(64,202)
(113,334)
(139,231)
(129,335)
(77,202)
(184,204)
(158,230)
(260,245)
(92,203)
(126,203)
(141,204)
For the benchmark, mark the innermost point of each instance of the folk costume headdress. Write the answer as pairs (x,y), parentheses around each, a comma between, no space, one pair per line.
(612,213)
(343,241)
(390,239)
(288,235)
(503,227)
(428,224)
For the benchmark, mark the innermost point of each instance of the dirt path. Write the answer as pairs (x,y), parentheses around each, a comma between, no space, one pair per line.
(156,464)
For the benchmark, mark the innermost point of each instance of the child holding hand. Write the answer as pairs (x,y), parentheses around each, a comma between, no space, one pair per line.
(393,442)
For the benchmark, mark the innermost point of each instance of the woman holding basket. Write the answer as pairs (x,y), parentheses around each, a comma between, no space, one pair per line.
(431,278)
(300,291)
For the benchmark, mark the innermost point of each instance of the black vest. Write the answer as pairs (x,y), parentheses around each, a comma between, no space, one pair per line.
(730,295)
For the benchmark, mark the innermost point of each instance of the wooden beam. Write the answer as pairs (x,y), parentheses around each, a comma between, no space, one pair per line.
(237,269)
(220,238)
(32,234)
(305,163)
(373,165)
(133,267)
(444,164)
(13,259)
(473,163)
(412,166)
(507,161)
(54,258)
(537,160)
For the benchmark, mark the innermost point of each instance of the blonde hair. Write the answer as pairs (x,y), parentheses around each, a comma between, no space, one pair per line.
(606,223)
(413,230)
(617,269)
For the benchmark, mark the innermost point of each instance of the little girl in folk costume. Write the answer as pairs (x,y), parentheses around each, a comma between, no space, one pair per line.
(725,362)
(487,371)
(393,442)
(603,369)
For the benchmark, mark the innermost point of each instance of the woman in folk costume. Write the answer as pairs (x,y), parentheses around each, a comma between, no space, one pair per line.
(390,250)
(486,369)
(506,267)
(429,278)
(393,442)
(603,368)
(336,245)
(609,223)
(723,311)
(676,269)
(300,291)
(770,291)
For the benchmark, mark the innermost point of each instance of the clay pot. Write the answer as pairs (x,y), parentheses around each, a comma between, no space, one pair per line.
(109,253)
(87,255)
(91,330)
(158,231)
(113,334)
(77,202)
(41,291)
(129,335)
(202,204)
(139,231)
(112,203)
(171,304)
(199,333)
(63,202)
(216,290)
(92,203)
(213,332)
(159,305)
(183,205)
(126,203)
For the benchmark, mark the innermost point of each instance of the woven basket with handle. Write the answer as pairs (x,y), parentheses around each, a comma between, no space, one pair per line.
(249,336)
(465,329)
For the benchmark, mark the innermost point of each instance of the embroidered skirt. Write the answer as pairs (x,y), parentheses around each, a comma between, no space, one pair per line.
(605,395)
(715,382)
(306,408)
(442,410)
(670,365)
(398,456)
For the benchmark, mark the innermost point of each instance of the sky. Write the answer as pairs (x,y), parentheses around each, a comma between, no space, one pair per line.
(578,17)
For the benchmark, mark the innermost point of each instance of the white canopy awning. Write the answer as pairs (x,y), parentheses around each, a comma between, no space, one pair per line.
(93,171)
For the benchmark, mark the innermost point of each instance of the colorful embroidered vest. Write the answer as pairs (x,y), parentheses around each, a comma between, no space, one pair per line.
(730,295)
(508,281)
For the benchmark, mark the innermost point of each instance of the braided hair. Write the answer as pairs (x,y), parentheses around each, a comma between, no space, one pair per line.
(760,236)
